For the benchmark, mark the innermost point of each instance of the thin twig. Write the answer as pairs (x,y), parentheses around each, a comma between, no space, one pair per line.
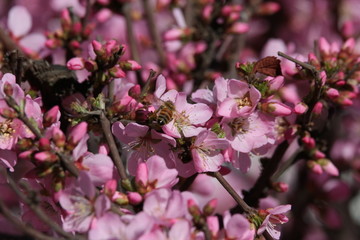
(35,207)
(126,10)
(154,32)
(300,63)
(242,204)
(20,224)
(106,127)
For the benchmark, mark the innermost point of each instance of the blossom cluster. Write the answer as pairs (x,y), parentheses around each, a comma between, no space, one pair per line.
(160,120)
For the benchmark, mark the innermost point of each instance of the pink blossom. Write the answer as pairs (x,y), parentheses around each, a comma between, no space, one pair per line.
(154,173)
(99,167)
(206,151)
(143,143)
(82,205)
(247,133)
(19,21)
(273,216)
(241,100)
(187,118)
(112,226)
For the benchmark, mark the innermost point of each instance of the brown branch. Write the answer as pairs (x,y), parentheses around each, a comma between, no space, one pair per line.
(154,32)
(35,207)
(264,181)
(86,16)
(106,127)
(22,226)
(241,203)
(8,43)
(126,10)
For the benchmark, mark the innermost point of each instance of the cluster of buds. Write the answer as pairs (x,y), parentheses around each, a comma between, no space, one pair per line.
(340,72)
(71,33)
(105,61)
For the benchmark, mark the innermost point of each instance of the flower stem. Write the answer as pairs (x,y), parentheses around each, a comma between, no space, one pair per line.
(242,204)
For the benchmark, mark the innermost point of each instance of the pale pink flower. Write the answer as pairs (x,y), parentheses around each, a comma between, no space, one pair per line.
(111,226)
(273,216)
(82,205)
(206,151)
(100,168)
(187,118)
(180,230)
(143,143)
(247,133)
(241,99)
(155,173)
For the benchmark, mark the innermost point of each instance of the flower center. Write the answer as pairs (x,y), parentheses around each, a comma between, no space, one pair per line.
(243,102)
(5,128)
(239,125)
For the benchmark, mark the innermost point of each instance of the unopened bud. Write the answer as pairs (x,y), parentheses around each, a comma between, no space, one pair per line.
(98,48)
(91,65)
(44,144)
(110,187)
(268,8)
(51,116)
(209,208)
(239,28)
(332,93)
(347,29)
(314,166)
(280,187)
(129,65)
(276,108)
(58,137)
(46,156)
(300,108)
(76,28)
(117,72)
(75,63)
(193,208)
(318,108)
(134,198)
(74,44)
(120,198)
(141,178)
(328,167)
(77,133)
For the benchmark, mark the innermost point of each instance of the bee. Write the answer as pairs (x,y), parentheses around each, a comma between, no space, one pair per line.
(165,113)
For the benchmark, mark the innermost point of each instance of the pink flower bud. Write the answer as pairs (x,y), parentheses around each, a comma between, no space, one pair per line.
(349,45)
(104,149)
(323,77)
(117,72)
(45,156)
(65,17)
(110,187)
(135,91)
(328,167)
(281,187)
(76,28)
(44,144)
(324,47)
(58,137)
(308,141)
(51,116)
(207,10)
(318,154)
(347,29)
(111,47)
(269,8)
(129,65)
(26,154)
(239,28)
(91,65)
(315,167)
(193,208)
(276,108)
(134,198)
(98,48)
(313,60)
(77,133)
(209,208)
(75,44)
(173,34)
(332,93)
(142,174)
(75,63)
(300,108)
(318,108)
(103,15)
